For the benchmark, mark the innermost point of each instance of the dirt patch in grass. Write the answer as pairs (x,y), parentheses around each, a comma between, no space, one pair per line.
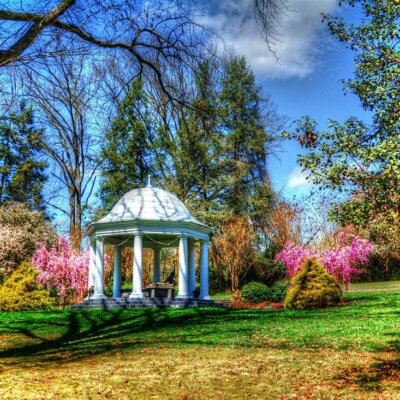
(197,373)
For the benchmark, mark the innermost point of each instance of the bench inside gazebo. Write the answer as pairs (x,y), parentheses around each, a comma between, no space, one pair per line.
(150,218)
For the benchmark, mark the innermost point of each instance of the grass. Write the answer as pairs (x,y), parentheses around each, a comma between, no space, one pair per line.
(350,352)
(221,295)
(376,287)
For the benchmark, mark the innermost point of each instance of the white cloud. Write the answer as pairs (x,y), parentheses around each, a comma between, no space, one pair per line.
(298,179)
(300,44)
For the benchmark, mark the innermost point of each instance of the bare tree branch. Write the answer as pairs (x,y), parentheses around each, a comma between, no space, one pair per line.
(268,14)
(154,34)
(25,41)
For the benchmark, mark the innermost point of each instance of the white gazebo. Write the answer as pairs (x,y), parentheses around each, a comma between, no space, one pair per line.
(151,218)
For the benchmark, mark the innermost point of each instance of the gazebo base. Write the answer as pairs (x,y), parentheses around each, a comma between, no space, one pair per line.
(144,302)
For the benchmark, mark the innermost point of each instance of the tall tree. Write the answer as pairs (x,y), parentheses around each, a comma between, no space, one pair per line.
(21,167)
(206,150)
(126,156)
(248,190)
(189,143)
(63,94)
(213,154)
(363,160)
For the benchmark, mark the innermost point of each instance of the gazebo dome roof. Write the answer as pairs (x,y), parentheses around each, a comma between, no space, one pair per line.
(150,204)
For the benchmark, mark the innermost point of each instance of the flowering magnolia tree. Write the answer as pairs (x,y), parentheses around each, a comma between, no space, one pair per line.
(63,269)
(342,262)
(20,229)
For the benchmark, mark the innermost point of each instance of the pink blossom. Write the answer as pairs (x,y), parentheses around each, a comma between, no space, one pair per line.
(293,256)
(63,269)
(342,262)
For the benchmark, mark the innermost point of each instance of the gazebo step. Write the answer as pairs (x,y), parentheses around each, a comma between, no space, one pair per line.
(145,302)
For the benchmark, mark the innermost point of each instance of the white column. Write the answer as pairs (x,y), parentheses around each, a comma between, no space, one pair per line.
(183,268)
(99,271)
(117,272)
(192,267)
(137,292)
(156,264)
(204,271)
(92,255)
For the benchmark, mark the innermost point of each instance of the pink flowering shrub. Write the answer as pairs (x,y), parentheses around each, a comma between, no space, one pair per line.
(293,256)
(62,269)
(342,262)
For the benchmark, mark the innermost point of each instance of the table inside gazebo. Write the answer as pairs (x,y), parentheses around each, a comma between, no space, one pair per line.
(159,290)
(154,290)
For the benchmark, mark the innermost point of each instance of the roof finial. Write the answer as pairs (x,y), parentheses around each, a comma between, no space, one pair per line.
(148,180)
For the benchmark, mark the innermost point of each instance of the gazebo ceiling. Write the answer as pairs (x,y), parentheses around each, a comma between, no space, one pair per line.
(150,204)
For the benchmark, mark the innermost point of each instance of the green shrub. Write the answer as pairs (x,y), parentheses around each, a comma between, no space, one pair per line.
(256,292)
(20,291)
(109,287)
(312,287)
(278,290)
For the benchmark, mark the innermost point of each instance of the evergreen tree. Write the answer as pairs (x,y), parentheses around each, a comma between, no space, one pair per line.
(21,170)
(216,149)
(248,190)
(207,154)
(126,154)
(191,146)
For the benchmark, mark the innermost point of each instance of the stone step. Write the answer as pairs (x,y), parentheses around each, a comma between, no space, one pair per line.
(145,302)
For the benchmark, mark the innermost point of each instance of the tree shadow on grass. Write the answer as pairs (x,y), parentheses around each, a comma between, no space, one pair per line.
(79,334)
(44,339)
(384,371)
(89,333)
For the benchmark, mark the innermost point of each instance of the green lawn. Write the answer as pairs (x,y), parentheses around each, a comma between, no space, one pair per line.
(376,287)
(350,352)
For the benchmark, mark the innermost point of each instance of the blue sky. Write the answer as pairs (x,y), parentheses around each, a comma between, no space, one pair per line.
(319,95)
(306,81)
